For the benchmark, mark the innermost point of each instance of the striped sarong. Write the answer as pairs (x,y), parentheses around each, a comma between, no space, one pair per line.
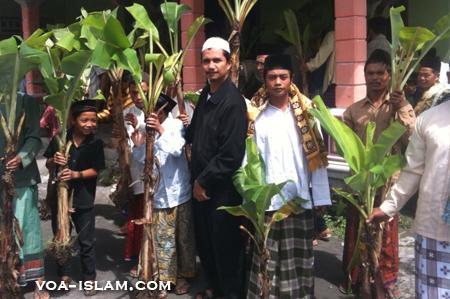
(26,211)
(432,268)
(291,259)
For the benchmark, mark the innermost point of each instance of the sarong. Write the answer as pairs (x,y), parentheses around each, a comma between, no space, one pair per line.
(175,242)
(389,260)
(134,232)
(432,268)
(291,263)
(31,264)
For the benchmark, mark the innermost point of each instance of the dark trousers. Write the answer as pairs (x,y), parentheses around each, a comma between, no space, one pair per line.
(220,247)
(84,222)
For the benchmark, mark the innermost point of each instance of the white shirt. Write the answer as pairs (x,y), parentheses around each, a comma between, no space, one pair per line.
(427,170)
(443,79)
(280,146)
(174,184)
(136,168)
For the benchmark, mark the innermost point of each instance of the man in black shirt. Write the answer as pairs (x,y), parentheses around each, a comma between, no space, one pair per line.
(85,160)
(217,134)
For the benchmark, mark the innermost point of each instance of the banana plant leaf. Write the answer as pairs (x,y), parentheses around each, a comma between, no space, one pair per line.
(411,44)
(375,164)
(349,144)
(17,59)
(250,182)
(172,13)
(143,21)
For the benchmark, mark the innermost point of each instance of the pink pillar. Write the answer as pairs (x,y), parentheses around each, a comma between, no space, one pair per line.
(193,75)
(30,22)
(351,51)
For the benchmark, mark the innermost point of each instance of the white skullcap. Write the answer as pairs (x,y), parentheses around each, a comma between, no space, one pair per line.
(216,43)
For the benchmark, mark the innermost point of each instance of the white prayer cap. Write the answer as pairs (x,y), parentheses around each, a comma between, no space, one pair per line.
(216,43)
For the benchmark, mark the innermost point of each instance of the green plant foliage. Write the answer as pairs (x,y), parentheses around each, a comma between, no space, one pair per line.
(411,44)
(16,59)
(250,182)
(372,164)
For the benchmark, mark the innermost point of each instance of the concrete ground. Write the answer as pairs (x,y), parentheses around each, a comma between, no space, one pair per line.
(111,267)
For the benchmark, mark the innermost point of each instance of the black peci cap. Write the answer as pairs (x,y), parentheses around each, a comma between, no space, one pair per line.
(278,61)
(88,105)
(167,101)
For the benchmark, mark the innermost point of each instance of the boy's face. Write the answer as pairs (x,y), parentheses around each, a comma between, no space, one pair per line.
(136,96)
(278,82)
(426,78)
(86,122)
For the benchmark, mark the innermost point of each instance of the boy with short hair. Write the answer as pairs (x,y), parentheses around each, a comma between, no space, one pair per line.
(85,160)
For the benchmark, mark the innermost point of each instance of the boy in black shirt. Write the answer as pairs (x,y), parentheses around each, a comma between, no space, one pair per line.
(86,158)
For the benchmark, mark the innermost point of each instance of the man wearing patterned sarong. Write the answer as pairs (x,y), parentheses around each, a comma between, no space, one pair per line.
(381,108)
(428,171)
(290,144)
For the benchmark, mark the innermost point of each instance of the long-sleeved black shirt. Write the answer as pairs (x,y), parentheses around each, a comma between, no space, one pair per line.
(217,133)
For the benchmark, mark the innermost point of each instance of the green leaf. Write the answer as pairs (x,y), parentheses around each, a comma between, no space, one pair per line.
(349,144)
(156,58)
(247,209)
(8,46)
(129,61)
(74,63)
(169,76)
(357,181)
(36,58)
(396,26)
(443,26)
(384,144)
(289,208)
(193,97)
(56,101)
(370,131)
(194,28)
(37,39)
(67,41)
(142,19)
(415,37)
(351,199)
(102,55)
(114,35)
(392,164)
(172,13)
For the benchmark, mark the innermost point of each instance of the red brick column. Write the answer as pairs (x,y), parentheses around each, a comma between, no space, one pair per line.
(351,51)
(193,75)
(30,22)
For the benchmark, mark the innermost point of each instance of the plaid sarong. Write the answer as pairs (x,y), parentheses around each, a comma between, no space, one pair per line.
(291,259)
(432,268)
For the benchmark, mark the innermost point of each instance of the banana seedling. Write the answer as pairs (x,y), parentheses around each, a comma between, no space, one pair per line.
(372,165)
(411,44)
(17,58)
(250,182)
